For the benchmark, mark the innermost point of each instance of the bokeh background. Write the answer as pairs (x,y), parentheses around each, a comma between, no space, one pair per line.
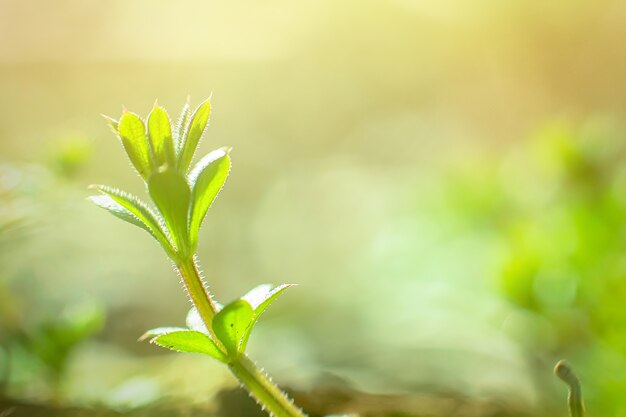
(445,180)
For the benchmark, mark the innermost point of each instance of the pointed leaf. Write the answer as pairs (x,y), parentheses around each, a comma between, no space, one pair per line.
(181,125)
(230,325)
(194,321)
(140,210)
(107,203)
(193,133)
(171,194)
(260,299)
(189,341)
(257,295)
(160,134)
(159,331)
(113,124)
(262,296)
(207,179)
(133,136)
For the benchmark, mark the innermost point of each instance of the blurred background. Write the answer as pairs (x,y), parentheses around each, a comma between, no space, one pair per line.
(445,180)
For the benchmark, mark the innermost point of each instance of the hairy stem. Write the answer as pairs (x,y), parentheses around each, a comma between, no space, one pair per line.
(575,400)
(266,393)
(198,292)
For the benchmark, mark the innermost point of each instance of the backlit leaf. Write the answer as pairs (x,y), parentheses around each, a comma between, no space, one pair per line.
(260,299)
(113,124)
(140,210)
(171,194)
(230,325)
(207,179)
(107,203)
(193,133)
(194,321)
(132,133)
(181,126)
(159,331)
(160,134)
(189,341)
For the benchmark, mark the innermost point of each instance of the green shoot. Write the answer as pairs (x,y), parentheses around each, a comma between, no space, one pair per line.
(574,400)
(180,198)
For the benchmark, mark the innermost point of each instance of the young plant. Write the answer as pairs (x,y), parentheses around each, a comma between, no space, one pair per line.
(181,197)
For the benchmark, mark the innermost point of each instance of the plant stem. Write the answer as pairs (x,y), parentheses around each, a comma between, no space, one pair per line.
(574,400)
(267,394)
(198,292)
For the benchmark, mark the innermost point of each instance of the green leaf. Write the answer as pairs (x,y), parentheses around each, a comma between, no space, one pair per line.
(159,331)
(132,133)
(193,133)
(141,211)
(170,192)
(53,341)
(230,325)
(262,296)
(181,125)
(160,134)
(113,124)
(189,341)
(207,179)
(260,299)
(194,321)
(107,203)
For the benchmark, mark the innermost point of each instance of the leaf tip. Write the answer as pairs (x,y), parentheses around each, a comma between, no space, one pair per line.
(206,102)
(145,337)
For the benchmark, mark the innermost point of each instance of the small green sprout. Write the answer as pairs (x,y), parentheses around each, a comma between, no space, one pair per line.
(575,399)
(181,196)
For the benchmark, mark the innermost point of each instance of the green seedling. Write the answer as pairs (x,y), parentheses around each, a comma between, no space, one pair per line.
(575,399)
(180,198)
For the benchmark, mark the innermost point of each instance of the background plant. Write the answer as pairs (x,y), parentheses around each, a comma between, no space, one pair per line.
(575,401)
(554,211)
(35,349)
